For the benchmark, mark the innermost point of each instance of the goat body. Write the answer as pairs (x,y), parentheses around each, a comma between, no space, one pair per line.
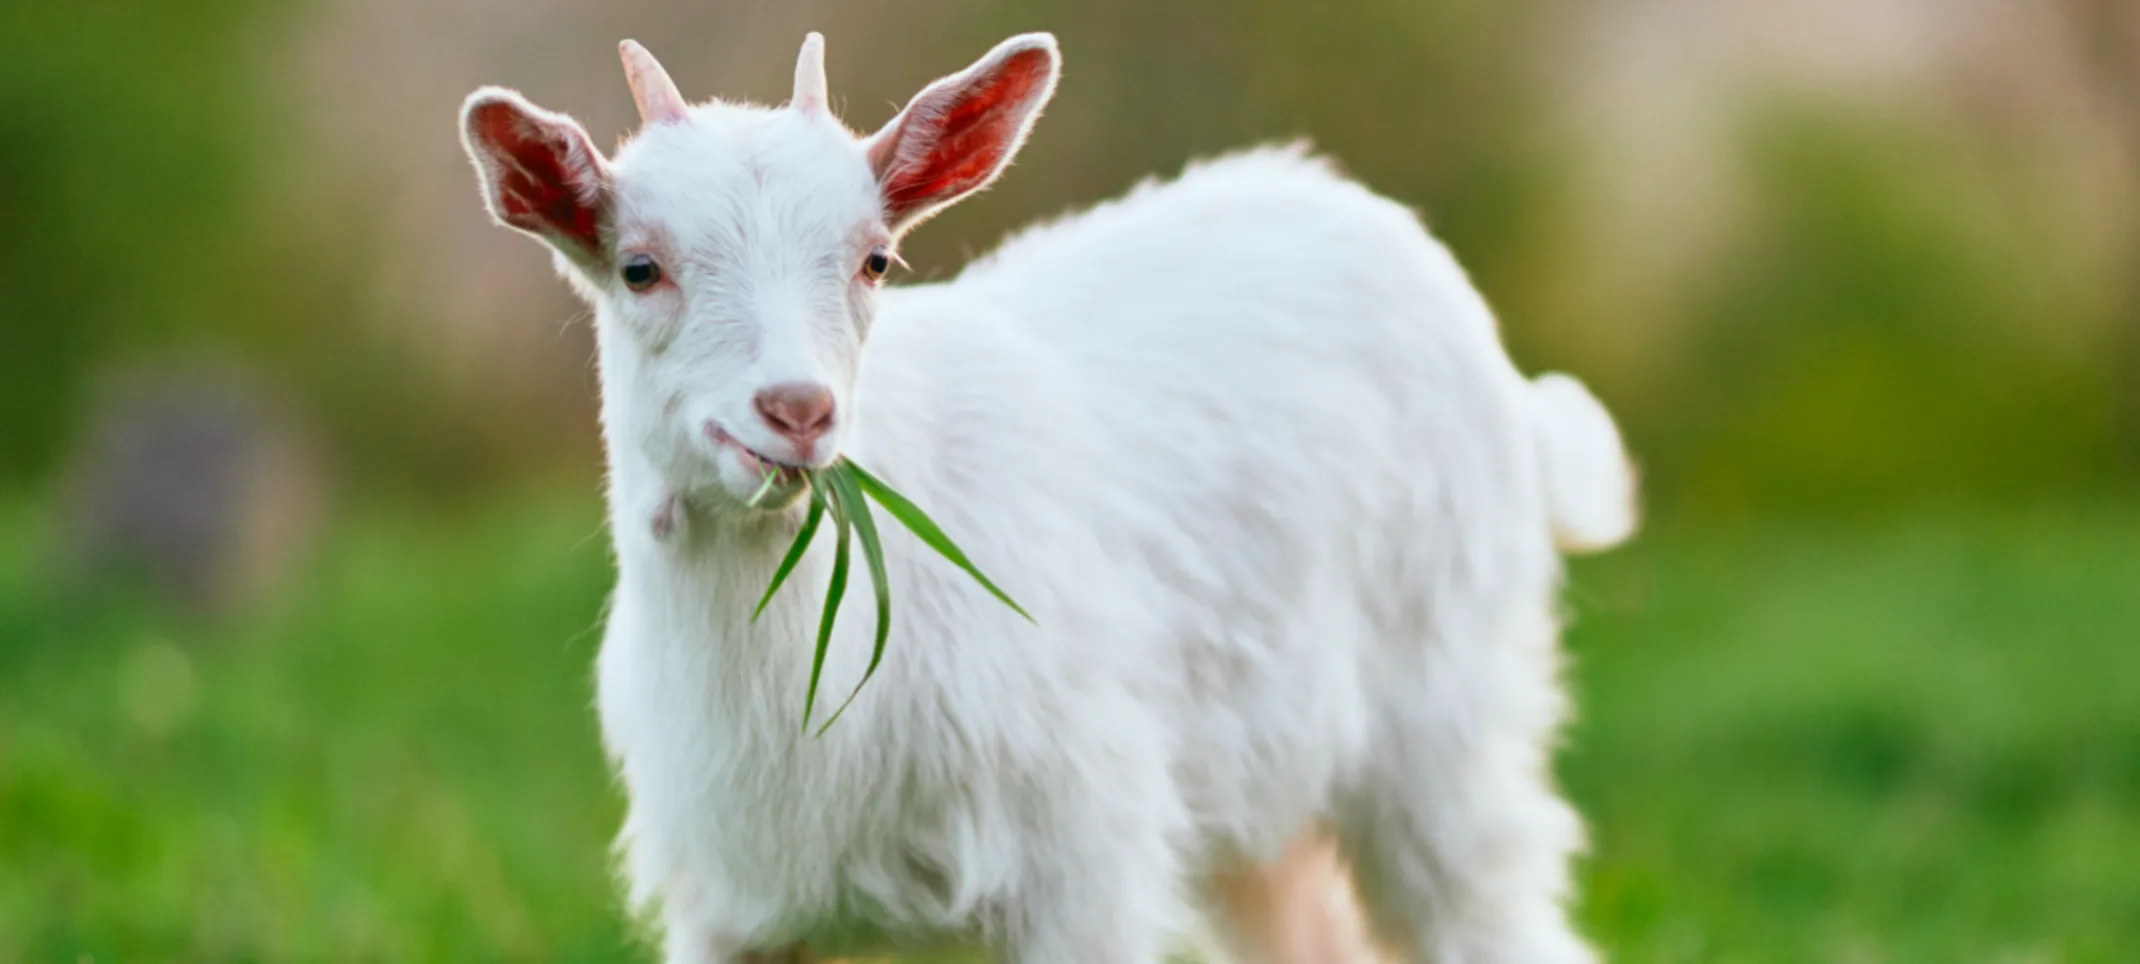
(1247,446)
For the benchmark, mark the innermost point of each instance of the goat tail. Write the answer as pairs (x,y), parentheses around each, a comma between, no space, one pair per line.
(1589,480)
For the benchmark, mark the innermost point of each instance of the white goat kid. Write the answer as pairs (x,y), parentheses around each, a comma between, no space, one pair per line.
(1247,446)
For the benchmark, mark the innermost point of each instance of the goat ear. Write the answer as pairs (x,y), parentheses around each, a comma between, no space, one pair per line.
(960,132)
(539,172)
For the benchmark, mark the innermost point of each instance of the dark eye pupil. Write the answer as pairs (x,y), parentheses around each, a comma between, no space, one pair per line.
(879,264)
(641,272)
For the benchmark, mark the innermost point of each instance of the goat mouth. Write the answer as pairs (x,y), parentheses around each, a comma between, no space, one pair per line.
(757,463)
(782,473)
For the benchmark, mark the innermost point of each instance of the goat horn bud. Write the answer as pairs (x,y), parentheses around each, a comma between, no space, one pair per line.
(810,74)
(652,90)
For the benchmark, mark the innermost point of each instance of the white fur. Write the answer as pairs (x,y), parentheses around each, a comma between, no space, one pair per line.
(1590,488)
(1247,446)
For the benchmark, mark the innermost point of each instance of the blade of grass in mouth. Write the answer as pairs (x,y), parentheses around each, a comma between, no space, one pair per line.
(843,490)
(919,523)
(795,551)
(842,478)
(771,477)
(833,592)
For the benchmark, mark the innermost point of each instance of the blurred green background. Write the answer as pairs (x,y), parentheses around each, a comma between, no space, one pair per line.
(300,547)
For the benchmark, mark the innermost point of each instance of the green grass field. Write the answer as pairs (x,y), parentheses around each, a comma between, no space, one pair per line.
(1905,739)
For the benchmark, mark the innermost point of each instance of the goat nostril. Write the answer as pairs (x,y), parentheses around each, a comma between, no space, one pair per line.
(798,410)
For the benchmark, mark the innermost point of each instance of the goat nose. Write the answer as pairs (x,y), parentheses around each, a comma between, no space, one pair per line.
(799,411)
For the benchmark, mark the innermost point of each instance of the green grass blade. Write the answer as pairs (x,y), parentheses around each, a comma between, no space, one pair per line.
(850,496)
(833,592)
(763,488)
(795,551)
(922,526)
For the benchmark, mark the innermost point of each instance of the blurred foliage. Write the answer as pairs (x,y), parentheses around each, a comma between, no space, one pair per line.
(122,171)
(1889,329)
(1886,321)
(164,212)
(1910,741)
(392,765)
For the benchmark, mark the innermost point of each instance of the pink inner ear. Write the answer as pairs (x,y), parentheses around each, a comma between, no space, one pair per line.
(537,186)
(974,134)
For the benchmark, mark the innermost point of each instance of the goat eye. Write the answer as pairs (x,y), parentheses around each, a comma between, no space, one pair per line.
(874,266)
(640,272)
